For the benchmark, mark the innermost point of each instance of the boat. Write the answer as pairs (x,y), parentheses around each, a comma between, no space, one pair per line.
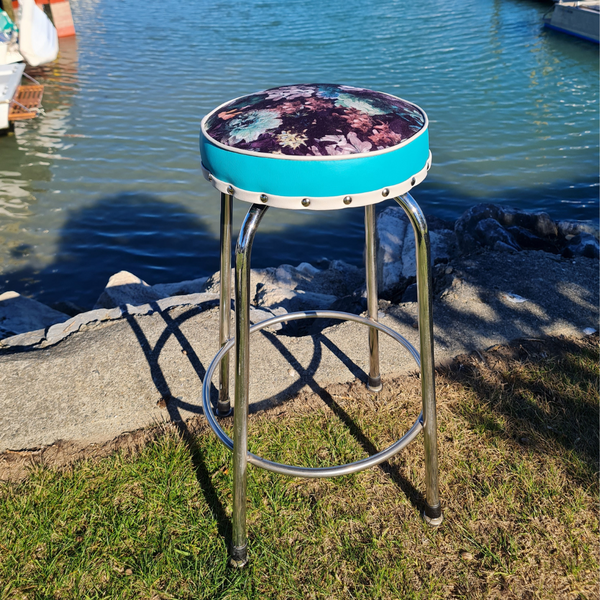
(581,19)
(33,40)
(18,102)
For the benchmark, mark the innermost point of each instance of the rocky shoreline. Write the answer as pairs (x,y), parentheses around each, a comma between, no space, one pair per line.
(25,323)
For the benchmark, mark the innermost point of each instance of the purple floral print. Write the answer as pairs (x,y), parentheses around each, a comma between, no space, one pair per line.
(315,120)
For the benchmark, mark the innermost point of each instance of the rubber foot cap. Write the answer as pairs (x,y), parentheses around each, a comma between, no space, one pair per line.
(374,384)
(239,557)
(432,515)
(223,410)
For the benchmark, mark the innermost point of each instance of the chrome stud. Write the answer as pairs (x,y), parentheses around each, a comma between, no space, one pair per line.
(385,192)
(428,165)
(305,202)
(264,198)
(348,200)
(210,177)
(230,190)
(413,181)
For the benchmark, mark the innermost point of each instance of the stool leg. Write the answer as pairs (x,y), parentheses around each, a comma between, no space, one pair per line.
(372,299)
(239,546)
(223,404)
(433,510)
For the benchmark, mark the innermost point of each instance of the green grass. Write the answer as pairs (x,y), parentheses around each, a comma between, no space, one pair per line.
(519,482)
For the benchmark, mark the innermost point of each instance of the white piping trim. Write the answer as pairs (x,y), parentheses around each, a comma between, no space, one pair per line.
(320,202)
(291,157)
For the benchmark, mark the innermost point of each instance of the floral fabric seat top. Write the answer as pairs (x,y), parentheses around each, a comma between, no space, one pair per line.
(315,120)
(310,127)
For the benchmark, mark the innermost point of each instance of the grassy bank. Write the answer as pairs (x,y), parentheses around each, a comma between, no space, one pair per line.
(518,431)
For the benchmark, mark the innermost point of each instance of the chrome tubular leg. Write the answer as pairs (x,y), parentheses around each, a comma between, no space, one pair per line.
(374,384)
(223,404)
(239,546)
(433,510)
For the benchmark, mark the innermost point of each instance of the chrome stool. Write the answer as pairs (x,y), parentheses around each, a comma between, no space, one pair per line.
(315,147)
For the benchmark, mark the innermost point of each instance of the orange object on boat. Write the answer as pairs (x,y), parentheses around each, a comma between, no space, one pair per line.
(26,102)
(62,17)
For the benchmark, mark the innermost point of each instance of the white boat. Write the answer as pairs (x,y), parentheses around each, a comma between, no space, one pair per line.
(581,19)
(32,39)
(10,78)
(17,102)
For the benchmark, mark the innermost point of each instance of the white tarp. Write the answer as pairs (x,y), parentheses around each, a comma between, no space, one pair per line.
(38,40)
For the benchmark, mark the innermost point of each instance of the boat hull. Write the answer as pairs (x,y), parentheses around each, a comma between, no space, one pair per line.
(10,78)
(575,19)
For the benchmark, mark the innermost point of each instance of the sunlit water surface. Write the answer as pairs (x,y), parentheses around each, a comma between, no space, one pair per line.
(108,179)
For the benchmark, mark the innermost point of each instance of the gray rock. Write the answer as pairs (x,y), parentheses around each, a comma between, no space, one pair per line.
(19,314)
(291,300)
(31,338)
(506,215)
(276,276)
(410,294)
(538,222)
(142,309)
(257,277)
(59,331)
(471,236)
(396,255)
(489,231)
(62,330)
(183,288)
(191,299)
(527,239)
(465,226)
(501,246)
(583,244)
(257,315)
(573,228)
(353,303)
(543,225)
(395,248)
(338,279)
(125,288)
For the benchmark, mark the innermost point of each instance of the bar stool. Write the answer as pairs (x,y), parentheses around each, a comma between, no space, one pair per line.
(315,147)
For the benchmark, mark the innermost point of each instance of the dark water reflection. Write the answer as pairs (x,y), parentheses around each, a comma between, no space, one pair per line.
(109,178)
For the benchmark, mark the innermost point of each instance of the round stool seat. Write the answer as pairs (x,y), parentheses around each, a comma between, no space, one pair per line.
(315,146)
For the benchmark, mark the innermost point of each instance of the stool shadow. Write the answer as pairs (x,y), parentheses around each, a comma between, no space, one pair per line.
(414,496)
(305,372)
(175,405)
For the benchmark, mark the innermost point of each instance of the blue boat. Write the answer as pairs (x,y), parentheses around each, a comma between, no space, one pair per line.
(581,19)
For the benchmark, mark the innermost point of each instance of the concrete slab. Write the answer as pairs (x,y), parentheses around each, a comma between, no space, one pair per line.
(110,377)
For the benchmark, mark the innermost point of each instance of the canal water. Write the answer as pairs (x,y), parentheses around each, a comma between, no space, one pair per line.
(109,179)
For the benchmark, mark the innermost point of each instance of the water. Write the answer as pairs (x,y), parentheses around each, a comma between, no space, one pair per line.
(109,178)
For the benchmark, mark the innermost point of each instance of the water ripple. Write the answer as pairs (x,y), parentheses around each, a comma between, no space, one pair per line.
(110,175)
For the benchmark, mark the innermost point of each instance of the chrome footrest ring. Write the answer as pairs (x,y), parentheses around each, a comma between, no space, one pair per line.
(291,470)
